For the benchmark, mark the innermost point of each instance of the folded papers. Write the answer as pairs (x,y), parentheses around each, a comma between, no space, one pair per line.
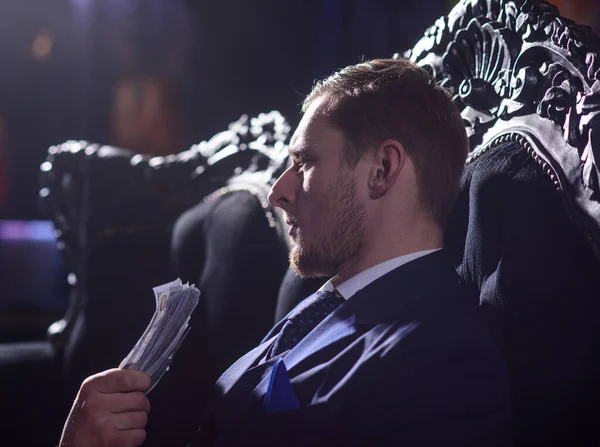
(168,327)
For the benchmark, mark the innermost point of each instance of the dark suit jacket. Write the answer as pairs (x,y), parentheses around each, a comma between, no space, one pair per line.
(402,362)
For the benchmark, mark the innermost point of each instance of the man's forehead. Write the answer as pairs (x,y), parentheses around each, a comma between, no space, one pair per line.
(313,122)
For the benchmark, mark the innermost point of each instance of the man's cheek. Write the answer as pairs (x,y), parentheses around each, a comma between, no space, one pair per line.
(309,183)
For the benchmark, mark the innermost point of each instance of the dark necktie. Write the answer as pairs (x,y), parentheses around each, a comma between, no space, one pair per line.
(305,319)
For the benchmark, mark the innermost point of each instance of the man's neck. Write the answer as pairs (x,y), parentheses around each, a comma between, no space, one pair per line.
(382,248)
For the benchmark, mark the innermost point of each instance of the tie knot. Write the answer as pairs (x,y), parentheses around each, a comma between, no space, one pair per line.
(306,318)
(327,294)
(332,297)
(325,300)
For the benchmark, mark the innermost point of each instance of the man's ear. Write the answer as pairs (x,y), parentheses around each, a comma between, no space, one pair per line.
(388,161)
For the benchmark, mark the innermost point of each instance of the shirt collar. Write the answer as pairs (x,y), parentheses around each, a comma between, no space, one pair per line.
(366,277)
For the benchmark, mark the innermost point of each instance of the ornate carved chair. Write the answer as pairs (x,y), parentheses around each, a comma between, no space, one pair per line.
(526,229)
(108,203)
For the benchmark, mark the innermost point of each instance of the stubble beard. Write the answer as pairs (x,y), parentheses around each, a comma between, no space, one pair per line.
(336,242)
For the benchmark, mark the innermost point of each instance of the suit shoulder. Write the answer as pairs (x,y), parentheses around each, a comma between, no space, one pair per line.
(444,326)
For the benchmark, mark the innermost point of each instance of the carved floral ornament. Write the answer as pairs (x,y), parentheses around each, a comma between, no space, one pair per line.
(507,59)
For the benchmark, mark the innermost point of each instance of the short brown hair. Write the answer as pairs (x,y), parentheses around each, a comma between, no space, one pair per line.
(395,99)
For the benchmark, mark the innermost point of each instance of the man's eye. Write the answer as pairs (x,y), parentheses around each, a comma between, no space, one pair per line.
(300,164)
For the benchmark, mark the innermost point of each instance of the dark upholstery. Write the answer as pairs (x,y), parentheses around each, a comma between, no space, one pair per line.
(539,282)
(225,246)
(121,272)
(526,229)
(32,401)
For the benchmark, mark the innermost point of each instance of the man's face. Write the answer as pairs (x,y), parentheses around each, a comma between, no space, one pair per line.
(318,193)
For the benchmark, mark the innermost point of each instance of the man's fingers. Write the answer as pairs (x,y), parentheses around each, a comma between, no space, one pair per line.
(110,409)
(131,420)
(120,381)
(124,402)
(132,438)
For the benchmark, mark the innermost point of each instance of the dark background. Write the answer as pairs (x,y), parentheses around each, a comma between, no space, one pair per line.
(219,59)
(223,58)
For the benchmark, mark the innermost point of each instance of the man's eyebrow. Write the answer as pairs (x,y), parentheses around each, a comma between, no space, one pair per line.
(298,151)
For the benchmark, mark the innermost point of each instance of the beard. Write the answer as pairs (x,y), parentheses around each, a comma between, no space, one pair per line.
(334,237)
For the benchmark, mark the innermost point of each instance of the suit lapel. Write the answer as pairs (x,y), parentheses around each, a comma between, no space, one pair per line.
(235,372)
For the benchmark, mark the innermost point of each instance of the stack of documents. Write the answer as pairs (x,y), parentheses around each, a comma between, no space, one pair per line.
(155,349)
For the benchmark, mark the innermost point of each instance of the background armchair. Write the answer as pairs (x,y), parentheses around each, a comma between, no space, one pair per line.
(114,212)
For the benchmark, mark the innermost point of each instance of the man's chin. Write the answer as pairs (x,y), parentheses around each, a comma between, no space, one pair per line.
(304,268)
(307,274)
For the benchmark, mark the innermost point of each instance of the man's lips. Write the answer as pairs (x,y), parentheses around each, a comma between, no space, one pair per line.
(293,227)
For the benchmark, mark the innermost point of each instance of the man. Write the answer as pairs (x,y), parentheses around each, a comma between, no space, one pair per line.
(389,351)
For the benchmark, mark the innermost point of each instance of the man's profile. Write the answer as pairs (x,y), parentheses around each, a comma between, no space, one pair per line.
(389,351)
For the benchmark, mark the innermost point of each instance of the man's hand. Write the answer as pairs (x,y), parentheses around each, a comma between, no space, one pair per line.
(110,410)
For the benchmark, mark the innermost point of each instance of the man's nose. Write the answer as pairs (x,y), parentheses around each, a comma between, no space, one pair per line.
(283,191)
